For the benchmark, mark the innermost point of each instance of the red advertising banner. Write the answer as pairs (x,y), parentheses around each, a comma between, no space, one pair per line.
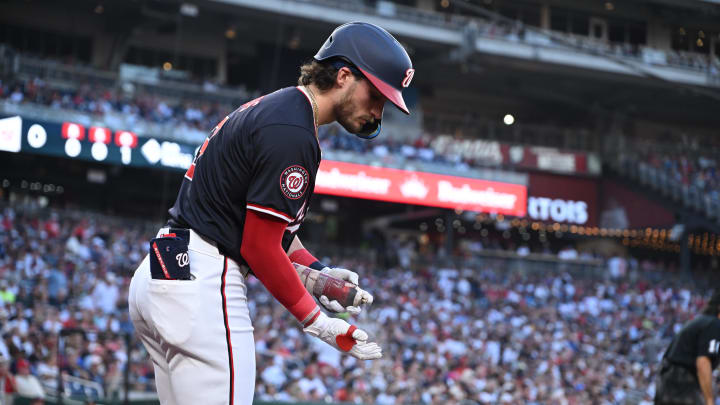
(410,187)
(564,199)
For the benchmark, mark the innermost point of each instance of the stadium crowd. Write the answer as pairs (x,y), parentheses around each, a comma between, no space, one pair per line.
(67,271)
(687,165)
(475,333)
(461,335)
(98,100)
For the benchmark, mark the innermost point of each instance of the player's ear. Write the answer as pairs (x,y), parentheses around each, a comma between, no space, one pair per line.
(344,77)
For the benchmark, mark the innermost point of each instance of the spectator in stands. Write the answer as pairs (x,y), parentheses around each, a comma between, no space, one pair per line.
(523,250)
(113,379)
(27,385)
(47,369)
(106,293)
(16,96)
(617,266)
(568,253)
(7,382)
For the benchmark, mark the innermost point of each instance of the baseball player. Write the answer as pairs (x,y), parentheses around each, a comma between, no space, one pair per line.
(685,376)
(239,208)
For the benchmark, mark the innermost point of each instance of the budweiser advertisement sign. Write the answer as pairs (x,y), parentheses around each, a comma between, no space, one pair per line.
(410,187)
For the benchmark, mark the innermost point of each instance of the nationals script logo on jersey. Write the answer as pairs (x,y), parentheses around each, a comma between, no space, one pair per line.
(294,182)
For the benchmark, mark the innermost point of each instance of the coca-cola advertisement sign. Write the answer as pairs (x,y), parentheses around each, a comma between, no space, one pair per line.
(410,187)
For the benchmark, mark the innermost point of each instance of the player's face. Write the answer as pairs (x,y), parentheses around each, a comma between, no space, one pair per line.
(360,103)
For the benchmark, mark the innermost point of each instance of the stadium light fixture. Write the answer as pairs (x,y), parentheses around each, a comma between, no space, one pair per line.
(508,119)
(189,10)
(294,42)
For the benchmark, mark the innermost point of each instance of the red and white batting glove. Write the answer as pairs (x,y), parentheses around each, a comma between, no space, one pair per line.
(343,336)
(350,276)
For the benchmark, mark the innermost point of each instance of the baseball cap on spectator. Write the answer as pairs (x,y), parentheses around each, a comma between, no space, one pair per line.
(22,363)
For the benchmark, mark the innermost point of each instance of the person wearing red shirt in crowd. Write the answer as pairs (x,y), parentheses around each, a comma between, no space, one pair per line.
(7,382)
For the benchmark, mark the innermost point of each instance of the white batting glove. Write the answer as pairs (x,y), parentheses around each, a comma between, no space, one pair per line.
(343,274)
(344,337)
(350,276)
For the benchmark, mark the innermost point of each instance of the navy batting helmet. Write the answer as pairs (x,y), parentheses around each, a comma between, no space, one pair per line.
(378,56)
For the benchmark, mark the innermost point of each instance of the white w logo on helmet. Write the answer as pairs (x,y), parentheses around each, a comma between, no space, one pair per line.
(408,77)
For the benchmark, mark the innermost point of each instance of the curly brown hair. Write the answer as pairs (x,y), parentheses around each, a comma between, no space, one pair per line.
(322,75)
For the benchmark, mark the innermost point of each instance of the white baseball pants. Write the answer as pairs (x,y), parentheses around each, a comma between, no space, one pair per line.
(197,332)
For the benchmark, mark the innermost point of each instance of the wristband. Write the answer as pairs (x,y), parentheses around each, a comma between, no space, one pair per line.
(316,265)
(302,256)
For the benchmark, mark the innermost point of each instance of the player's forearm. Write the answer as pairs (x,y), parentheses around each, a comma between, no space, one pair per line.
(261,248)
(704,372)
(298,254)
(295,245)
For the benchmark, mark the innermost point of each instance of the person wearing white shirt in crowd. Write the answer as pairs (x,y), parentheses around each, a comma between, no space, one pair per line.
(311,382)
(27,385)
(523,250)
(568,253)
(106,293)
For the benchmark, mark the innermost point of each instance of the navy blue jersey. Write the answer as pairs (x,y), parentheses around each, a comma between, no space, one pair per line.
(700,337)
(264,156)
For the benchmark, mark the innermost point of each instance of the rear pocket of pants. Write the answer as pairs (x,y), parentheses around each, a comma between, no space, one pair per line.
(173,309)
